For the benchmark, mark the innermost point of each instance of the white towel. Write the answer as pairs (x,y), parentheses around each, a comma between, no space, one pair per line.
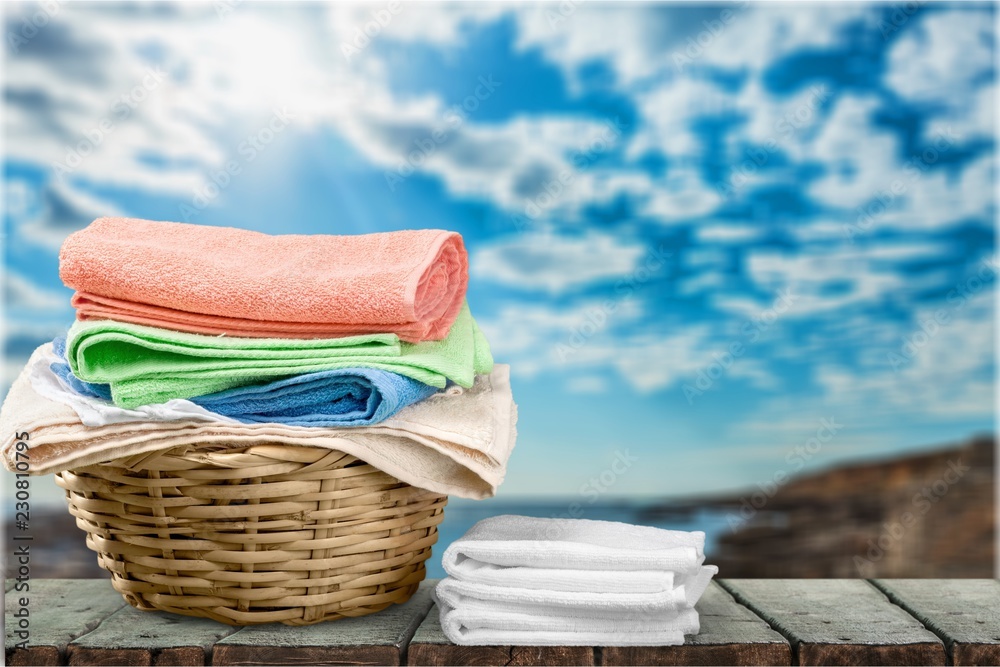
(450,444)
(473,626)
(595,581)
(684,595)
(526,581)
(574,544)
(454,591)
(97,412)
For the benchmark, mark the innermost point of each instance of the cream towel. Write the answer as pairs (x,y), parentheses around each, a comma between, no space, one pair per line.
(455,444)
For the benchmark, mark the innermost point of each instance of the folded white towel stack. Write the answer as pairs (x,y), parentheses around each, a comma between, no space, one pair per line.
(516,580)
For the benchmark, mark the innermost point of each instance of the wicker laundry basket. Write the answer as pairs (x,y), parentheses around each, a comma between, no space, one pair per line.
(255,534)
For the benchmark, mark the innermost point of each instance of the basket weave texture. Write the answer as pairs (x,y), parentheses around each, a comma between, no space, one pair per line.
(258,534)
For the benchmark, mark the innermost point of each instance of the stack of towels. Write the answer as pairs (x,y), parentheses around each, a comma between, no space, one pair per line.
(189,334)
(515,580)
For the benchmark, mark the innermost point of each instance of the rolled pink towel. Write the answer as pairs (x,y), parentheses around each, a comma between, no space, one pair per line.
(221,280)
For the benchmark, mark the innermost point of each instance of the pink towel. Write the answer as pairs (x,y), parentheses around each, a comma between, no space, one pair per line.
(220,280)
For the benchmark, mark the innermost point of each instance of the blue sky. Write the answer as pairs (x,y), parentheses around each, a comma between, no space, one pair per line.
(695,231)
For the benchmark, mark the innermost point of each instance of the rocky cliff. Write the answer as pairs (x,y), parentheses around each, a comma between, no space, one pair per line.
(928,515)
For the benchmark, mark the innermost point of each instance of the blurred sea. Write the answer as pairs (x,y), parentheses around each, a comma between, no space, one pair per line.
(818,526)
(61,550)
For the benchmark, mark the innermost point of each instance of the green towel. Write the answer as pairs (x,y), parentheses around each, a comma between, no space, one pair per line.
(147,365)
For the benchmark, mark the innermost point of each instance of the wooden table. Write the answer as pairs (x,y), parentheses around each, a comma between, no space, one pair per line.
(743,622)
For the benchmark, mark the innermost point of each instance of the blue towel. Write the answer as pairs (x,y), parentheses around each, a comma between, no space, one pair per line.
(339,397)
(333,398)
(62,369)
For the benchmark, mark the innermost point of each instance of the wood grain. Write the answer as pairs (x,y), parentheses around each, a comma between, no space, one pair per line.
(379,639)
(839,622)
(60,611)
(834,622)
(430,647)
(730,634)
(133,637)
(965,613)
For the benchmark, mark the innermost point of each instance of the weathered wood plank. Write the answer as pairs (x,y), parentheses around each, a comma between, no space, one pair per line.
(429,646)
(730,634)
(379,639)
(60,610)
(965,613)
(133,637)
(839,622)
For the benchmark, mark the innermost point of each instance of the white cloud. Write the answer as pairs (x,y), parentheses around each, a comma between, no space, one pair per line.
(703,282)
(627,40)
(765,32)
(781,123)
(587,384)
(64,210)
(942,375)
(974,119)
(681,197)
(727,233)
(856,156)
(538,339)
(554,263)
(642,43)
(819,279)
(947,380)
(935,199)
(712,257)
(942,57)
(441,23)
(515,165)
(903,251)
(546,338)
(670,111)
(20,292)
(223,79)
(219,84)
